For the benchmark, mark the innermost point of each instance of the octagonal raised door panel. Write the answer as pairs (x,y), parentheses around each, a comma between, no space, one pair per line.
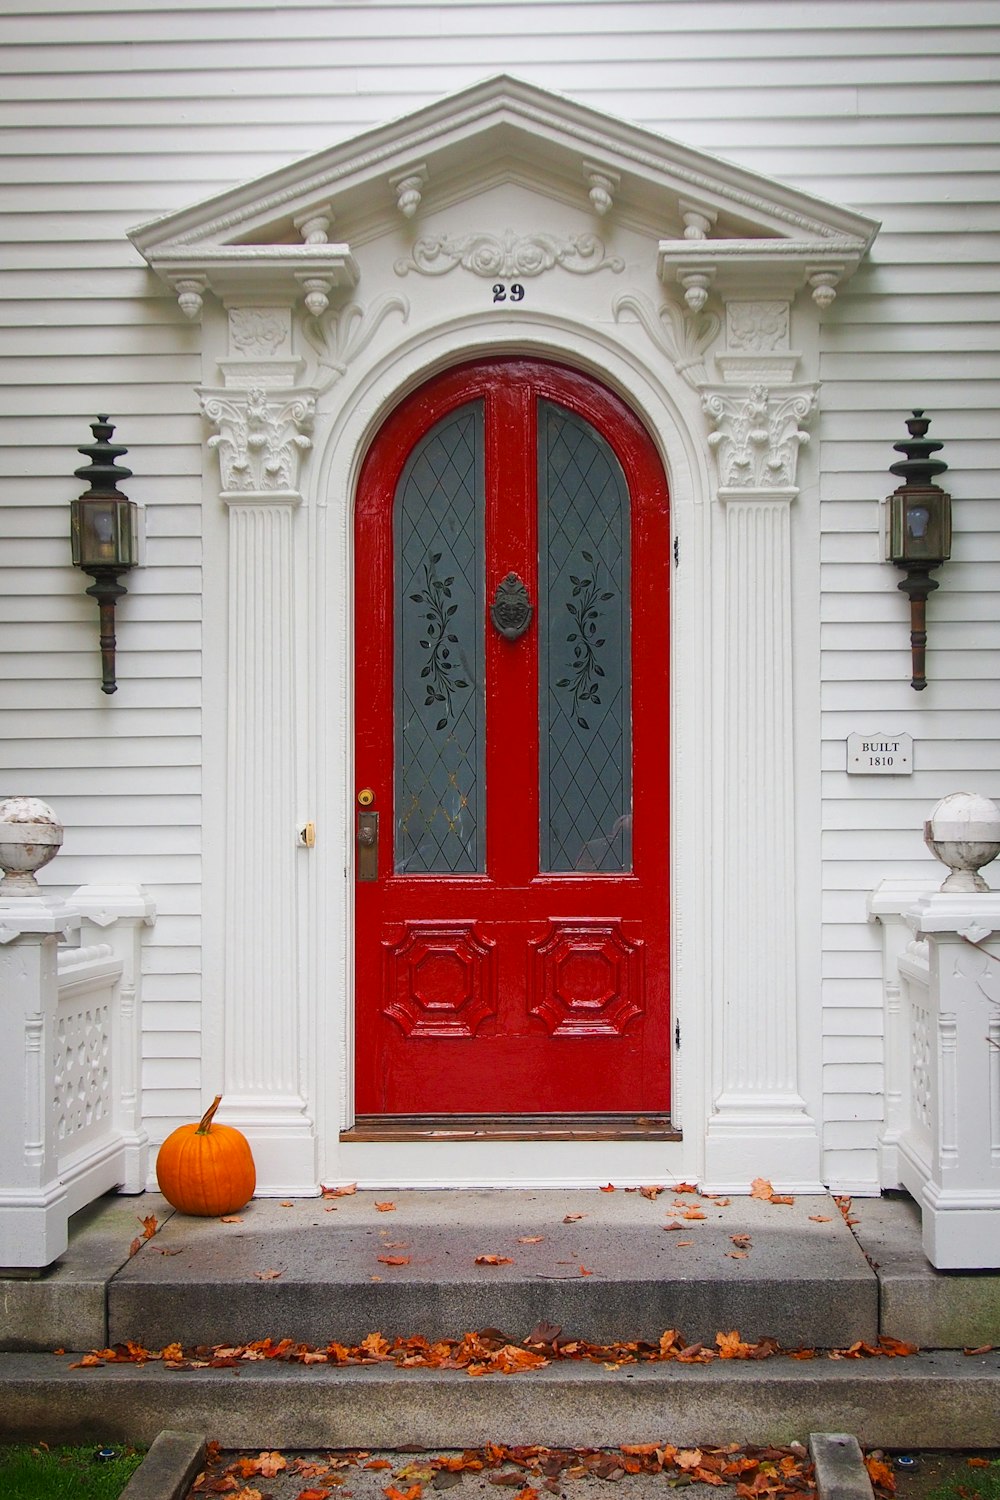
(511,536)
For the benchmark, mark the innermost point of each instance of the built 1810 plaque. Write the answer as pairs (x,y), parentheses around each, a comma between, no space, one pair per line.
(879,754)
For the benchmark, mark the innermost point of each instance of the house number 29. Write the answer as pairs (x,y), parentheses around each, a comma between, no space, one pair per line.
(501,292)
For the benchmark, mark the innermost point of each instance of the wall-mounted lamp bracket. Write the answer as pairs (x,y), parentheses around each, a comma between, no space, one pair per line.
(919,531)
(103,535)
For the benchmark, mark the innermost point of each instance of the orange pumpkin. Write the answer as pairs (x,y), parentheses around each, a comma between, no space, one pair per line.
(206,1169)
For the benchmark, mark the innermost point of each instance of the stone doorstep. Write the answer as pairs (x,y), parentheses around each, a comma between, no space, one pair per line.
(933,1400)
(175,1458)
(97,1293)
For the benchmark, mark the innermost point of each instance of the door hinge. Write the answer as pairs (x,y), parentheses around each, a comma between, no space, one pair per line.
(677,551)
(677,1035)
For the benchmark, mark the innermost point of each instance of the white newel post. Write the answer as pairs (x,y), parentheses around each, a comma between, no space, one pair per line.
(759,1124)
(116,914)
(33,1209)
(261,432)
(956,1177)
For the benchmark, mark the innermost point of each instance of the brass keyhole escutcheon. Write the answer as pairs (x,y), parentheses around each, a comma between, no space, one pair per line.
(366,797)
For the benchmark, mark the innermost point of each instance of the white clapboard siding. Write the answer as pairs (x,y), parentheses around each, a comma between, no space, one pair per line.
(106,121)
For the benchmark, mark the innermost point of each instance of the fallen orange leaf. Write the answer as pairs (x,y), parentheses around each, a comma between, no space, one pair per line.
(761,1188)
(287,1203)
(313,1495)
(585,1272)
(572,1218)
(530,1239)
(694,1213)
(609,1189)
(672,1225)
(135,1247)
(685,1187)
(340,1192)
(269,1275)
(493,1260)
(682,1243)
(394,1260)
(651,1192)
(232,1219)
(148,1226)
(819,1218)
(741,1241)
(386,1208)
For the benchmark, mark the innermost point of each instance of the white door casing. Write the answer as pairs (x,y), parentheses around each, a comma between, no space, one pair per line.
(694,290)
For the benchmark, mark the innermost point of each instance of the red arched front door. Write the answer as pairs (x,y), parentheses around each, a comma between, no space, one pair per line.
(511,701)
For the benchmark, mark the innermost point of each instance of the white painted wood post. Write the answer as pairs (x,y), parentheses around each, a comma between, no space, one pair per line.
(33,1207)
(957,1185)
(116,914)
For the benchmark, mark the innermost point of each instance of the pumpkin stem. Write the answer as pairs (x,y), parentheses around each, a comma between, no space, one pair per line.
(205,1124)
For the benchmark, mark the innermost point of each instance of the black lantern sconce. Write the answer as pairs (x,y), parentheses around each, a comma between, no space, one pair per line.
(103,532)
(919,530)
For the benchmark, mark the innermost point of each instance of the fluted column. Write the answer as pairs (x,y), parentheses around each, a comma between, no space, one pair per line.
(759,1124)
(261,436)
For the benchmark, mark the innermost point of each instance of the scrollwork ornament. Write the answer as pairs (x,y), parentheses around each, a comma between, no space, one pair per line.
(508,255)
(758,435)
(261,438)
(339,337)
(683,337)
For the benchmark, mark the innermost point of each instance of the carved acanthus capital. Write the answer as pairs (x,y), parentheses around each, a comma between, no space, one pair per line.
(758,434)
(260,440)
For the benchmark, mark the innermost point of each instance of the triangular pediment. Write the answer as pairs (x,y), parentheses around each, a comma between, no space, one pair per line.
(310,220)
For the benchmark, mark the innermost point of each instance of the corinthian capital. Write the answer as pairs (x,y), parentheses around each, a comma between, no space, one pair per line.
(260,439)
(758,434)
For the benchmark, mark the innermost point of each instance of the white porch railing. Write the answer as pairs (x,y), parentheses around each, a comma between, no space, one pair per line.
(941,1134)
(70,1126)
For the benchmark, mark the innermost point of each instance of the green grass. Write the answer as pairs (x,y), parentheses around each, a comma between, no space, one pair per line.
(971,1484)
(43,1473)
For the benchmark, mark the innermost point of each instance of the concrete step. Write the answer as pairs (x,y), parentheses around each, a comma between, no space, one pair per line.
(939,1400)
(601,1266)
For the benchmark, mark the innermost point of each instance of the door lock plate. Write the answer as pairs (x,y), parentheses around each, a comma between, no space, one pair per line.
(367,845)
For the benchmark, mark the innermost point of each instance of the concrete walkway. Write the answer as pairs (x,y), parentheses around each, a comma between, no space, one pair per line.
(602,1266)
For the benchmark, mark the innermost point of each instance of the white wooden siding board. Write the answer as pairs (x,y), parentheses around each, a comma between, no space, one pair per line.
(852,1022)
(117,838)
(64,694)
(852,994)
(923,787)
(888,350)
(844,906)
(40,518)
(171,960)
(973,663)
(845,1050)
(142,637)
(142,665)
(37,756)
(889,606)
(894,696)
(164,1109)
(149,866)
(163,1044)
(852,965)
(851,547)
(867,843)
(948,377)
(152,809)
(859,936)
(847,1135)
(171,987)
(851,1105)
(866,874)
(164,1016)
(107,720)
(52,784)
(169,1072)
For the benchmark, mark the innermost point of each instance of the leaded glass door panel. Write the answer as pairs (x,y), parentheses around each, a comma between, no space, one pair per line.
(511,699)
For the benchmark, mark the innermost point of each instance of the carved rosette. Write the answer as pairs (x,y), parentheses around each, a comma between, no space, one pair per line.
(261,438)
(758,435)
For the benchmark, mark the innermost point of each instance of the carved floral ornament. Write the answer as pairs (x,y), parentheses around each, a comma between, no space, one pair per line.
(260,439)
(758,435)
(507,255)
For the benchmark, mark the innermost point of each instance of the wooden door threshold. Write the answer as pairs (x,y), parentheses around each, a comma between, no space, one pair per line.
(511,1128)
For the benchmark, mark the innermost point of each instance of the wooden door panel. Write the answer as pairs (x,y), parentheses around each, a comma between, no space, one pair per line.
(512,956)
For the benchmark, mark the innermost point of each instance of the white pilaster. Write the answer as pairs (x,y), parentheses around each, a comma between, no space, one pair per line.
(759,1124)
(262,435)
(33,1210)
